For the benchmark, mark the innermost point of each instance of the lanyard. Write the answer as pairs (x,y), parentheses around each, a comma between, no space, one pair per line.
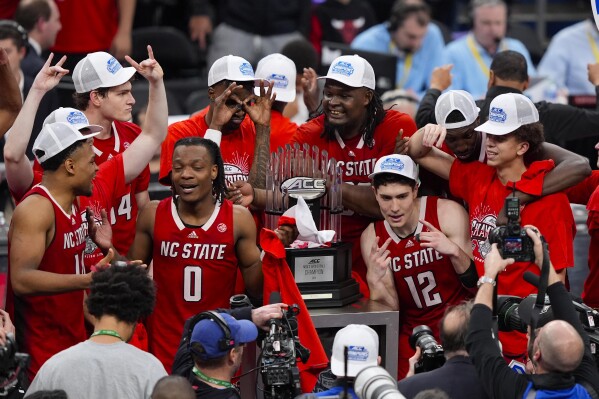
(211,380)
(593,46)
(112,333)
(477,56)
(407,66)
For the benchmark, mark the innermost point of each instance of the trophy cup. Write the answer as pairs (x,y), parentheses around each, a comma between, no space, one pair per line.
(323,275)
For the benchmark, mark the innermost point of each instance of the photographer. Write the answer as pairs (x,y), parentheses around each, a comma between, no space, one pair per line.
(184,359)
(457,377)
(560,352)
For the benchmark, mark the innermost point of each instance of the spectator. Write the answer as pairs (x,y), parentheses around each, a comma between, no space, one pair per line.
(457,378)
(559,351)
(13,38)
(119,298)
(47,237)
(41,20)
(362,345)
(250,30)
(571,52)
(411,37)
(10,100)
(340,21)
(88,27)
(472,54)
(508,74)
(401,100)
(513,139)
(419,257)
(280,70)
(173,387)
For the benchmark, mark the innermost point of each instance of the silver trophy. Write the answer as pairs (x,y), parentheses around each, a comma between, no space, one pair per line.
(323,275)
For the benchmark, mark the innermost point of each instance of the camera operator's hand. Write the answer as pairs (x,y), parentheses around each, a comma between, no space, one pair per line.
(6,326)
(412,362)
(494,263)
(261,316)
(535,236)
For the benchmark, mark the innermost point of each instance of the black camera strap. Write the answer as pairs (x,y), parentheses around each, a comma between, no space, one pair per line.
(543,282)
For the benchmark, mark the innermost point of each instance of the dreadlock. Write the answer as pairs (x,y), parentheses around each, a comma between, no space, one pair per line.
(219,187)
(375,113)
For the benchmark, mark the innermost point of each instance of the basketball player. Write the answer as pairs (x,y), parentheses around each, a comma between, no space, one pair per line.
(424,263)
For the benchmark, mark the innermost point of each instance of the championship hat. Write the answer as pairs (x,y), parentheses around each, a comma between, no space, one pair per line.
(351,70)
(100,69)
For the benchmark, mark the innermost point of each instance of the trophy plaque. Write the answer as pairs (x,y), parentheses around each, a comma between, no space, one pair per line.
(323,274)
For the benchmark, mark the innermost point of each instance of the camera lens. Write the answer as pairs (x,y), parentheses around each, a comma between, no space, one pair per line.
(374,382)
(422,336)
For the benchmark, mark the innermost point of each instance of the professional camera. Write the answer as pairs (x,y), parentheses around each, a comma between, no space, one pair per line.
(278,361)
(13,366)
(432,356)
(512,240)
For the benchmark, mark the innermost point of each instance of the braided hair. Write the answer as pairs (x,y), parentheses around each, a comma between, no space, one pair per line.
(375,113)
(219,186)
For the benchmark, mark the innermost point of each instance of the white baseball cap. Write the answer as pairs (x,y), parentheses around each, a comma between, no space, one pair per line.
(230,67)
(56,137)
(100,69)
(456,100)
(397,164)
(362,350)
(73,117)
(351,70)
(507,112)
(281,70)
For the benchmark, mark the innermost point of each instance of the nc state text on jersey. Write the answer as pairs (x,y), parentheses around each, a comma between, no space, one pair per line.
(193,251)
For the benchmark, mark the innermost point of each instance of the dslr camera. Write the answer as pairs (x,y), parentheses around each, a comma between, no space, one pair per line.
(512,240)
(433,355)
(13,365)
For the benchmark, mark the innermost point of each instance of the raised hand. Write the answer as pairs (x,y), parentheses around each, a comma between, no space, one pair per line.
(223,111)
(49,76)
(401,143)
(259,112)
(437,240)
(441,77)
(101,234)
(378,259)
(310,87)
(149,69)
(494,263)
(434,135)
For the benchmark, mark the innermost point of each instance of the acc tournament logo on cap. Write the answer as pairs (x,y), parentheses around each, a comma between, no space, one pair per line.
(392,164)
(113,66)
(246,69)
(280,81)
(76,117)
(343,68)
(357,353)
(497,115)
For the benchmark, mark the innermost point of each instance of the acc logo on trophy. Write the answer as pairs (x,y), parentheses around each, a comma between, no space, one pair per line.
(306,187)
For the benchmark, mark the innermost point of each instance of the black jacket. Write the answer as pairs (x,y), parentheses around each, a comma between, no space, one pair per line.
(561,122)
(502,382)
(457,377)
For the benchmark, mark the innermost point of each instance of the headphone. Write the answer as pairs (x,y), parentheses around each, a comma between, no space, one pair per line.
(8,23)
(224,344)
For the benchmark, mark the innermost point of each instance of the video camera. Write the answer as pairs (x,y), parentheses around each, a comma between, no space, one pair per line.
(433,355)
(512,240)
(509,317)
(13,366)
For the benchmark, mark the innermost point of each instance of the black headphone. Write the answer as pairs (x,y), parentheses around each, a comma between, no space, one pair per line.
(9,23)
(224,344)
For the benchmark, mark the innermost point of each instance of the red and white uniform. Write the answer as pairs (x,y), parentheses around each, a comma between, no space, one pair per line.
(425,280)
(194,270)
(357,162)
(48,324)
(236,147)
(479,186)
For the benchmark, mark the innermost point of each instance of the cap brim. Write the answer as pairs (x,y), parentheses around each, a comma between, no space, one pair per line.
(122,76)
(248,332)
(496,129)
(340,81)
(92,128)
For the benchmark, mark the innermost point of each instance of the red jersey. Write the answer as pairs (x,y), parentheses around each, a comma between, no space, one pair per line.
(88,26)
(425,280)
(236,147)
(122,214)
(485,199)
(194,270)
(48,324)
(357,161)
(281,130)
(587,192)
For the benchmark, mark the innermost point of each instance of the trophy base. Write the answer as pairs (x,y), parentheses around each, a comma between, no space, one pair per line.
(323,275)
